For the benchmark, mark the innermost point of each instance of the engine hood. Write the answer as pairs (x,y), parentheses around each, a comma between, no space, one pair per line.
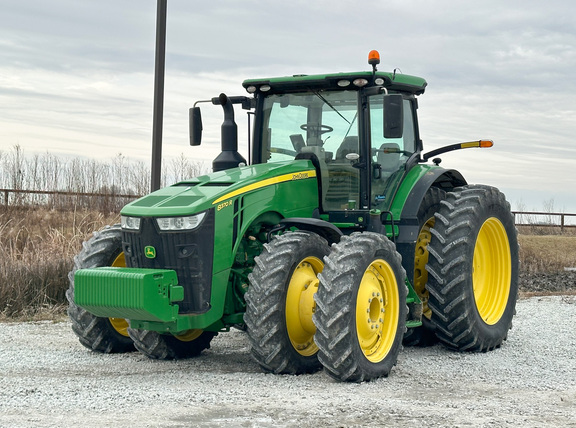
(208,191)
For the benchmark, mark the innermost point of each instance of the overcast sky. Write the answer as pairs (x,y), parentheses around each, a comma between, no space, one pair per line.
(76,76)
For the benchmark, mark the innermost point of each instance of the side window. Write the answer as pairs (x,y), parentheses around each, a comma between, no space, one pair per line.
(407,143)
(389,155)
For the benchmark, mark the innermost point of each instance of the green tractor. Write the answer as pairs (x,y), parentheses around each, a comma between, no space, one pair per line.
(334,244)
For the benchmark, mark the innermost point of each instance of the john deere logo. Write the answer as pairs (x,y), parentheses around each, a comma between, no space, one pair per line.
(150,252)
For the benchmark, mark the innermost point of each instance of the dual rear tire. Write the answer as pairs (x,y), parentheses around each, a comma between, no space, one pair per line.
(473,269)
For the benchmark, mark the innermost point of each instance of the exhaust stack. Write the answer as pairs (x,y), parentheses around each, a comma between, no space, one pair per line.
(229,157)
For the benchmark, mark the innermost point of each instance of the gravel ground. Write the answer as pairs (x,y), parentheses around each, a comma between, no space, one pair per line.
(50,380)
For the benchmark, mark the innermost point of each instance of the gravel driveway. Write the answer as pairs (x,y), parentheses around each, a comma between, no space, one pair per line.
(49,379)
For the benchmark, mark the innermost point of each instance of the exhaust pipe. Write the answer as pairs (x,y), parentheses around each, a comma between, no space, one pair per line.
(229,157)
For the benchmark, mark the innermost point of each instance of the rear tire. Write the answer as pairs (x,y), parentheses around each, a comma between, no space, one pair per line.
(361,308)
(424,335)
(473,269)
(280,303)
(171,347)
(107,335)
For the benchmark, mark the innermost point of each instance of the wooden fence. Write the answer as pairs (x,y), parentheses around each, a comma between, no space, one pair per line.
(112,201)
(543,219)
(104,201)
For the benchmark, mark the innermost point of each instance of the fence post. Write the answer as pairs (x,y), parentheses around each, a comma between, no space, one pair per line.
(6,197)
(561,223)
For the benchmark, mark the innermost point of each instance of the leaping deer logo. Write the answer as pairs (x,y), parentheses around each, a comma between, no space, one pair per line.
(150,252)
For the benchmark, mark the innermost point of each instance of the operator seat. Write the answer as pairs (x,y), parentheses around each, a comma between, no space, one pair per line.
(389,158)
(348,145)
(343,182)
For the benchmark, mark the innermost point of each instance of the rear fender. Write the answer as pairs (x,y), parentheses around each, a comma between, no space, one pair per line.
(408,226)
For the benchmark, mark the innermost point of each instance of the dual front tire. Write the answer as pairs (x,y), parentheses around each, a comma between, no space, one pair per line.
(352,325)
(113,335)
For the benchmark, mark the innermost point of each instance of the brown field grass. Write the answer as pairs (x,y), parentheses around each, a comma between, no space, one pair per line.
(38,246)
(547,253)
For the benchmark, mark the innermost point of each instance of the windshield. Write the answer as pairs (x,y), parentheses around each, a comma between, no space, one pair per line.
(321,123)
(316,122)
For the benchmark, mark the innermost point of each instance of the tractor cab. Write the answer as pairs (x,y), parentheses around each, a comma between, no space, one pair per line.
(344,131)
(359,129)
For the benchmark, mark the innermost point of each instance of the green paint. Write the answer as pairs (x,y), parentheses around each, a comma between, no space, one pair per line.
(246,202)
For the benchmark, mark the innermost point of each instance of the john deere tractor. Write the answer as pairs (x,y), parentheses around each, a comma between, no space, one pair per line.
(333,244)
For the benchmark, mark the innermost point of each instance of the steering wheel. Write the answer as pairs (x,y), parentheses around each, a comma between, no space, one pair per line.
(318,129)
(392,150)
(283,151)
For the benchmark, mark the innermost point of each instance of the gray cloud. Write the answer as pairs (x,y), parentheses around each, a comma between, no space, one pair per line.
(77,76)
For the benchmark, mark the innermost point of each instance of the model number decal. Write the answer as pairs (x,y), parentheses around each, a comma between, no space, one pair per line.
(224,204)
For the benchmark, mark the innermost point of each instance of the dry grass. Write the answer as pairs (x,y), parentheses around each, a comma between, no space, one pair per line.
(37,251)
(547,253)
(38,246)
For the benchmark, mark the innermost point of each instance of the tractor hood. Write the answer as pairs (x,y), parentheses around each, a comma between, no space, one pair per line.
(208,191)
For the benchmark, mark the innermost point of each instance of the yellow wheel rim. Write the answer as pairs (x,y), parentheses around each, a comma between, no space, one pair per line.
(189,335)
(420,260)
(120,324)
(377,310)
(300,305)
(492,271)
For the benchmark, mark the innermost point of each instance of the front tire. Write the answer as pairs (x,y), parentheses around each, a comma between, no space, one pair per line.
(473,269)
(280,303)
(361,308)
(107,335)
(171,347)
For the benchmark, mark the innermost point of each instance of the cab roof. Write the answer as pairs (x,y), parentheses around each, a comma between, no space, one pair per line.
(303,82)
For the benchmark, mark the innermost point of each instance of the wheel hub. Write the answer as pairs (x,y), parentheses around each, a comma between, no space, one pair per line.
(377,310)
(300,305)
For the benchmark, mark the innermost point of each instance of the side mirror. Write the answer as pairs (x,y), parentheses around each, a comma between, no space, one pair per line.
(393,116)
(195,122)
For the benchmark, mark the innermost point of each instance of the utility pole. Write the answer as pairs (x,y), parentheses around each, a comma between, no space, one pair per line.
(158,94)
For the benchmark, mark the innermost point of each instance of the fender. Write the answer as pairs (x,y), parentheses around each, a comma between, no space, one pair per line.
(323,228)
(408,226)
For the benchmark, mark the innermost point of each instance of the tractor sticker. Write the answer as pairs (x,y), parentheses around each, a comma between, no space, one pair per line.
(267,182)
(300,176)
(150,252)
(225,204)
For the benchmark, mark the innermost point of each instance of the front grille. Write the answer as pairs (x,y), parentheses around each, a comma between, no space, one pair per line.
(190,254)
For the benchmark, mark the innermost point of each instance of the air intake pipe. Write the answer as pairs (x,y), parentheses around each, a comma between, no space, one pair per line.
(229,157)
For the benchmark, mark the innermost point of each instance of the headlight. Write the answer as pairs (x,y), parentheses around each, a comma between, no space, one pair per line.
(180,223)
(131,223)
